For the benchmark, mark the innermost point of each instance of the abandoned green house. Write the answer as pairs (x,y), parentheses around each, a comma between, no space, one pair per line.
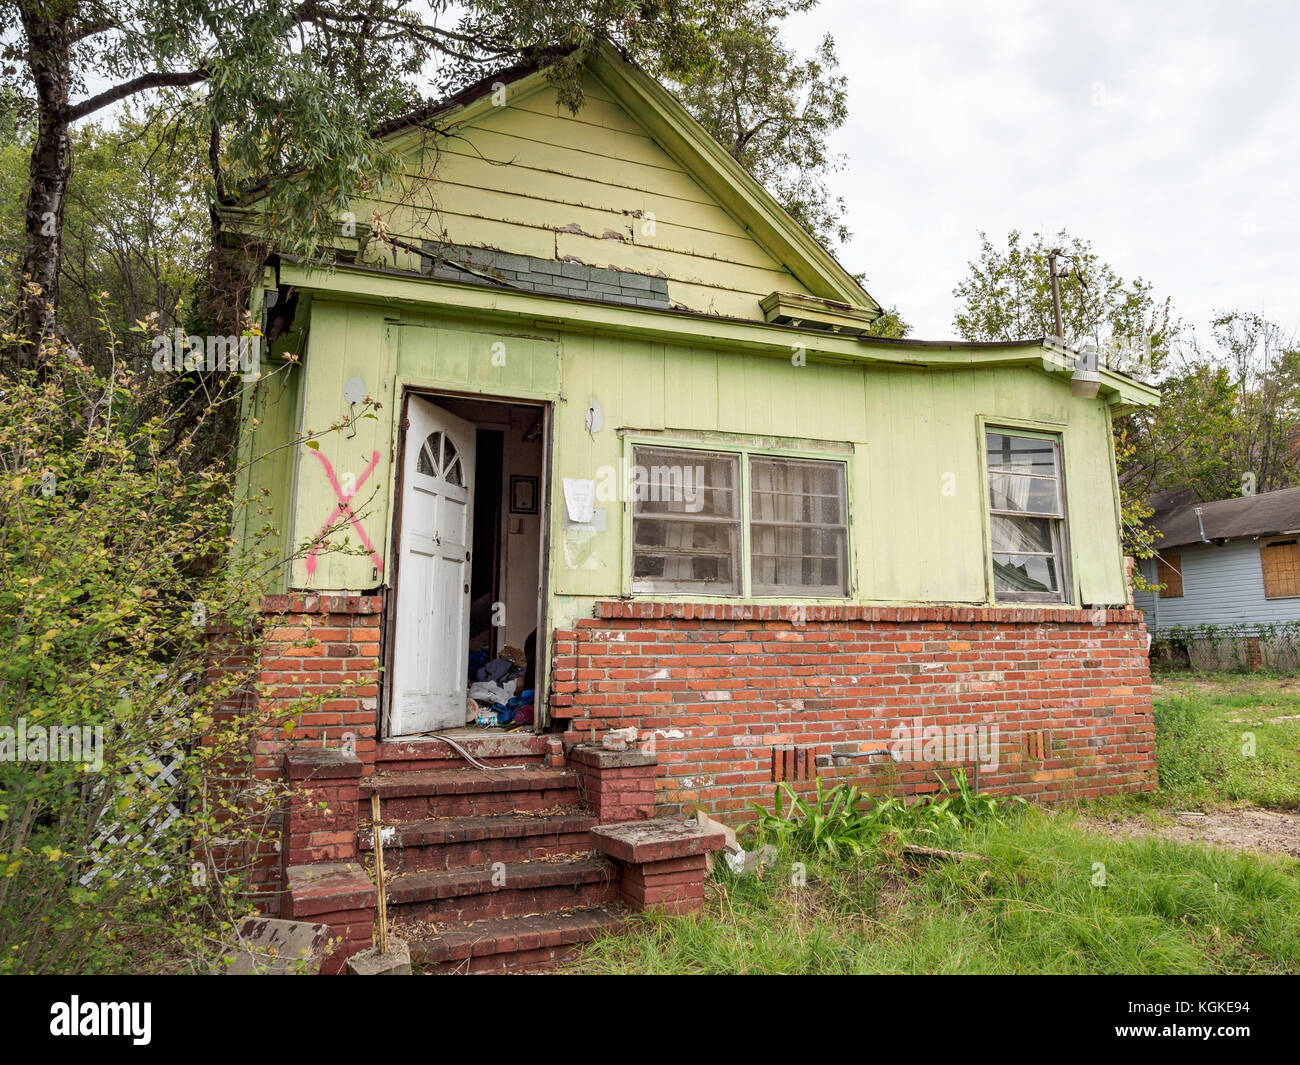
(638,463)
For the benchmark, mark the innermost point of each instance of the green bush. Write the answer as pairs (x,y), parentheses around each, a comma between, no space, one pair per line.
(117,573)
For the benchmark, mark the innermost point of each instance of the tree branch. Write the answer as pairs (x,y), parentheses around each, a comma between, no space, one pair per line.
(155,80)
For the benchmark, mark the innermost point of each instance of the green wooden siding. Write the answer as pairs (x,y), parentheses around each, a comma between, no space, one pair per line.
(906,431)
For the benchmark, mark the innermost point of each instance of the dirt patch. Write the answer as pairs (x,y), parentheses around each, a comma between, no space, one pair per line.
(1247,828)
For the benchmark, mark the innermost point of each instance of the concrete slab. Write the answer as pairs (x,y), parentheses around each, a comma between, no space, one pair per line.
(272,947)
(656,840)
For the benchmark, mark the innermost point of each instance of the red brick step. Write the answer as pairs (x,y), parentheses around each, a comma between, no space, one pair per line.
(464,792)
(449,842)
(540,941)
(521,888)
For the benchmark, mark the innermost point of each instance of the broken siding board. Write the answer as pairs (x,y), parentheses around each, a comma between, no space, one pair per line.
(607,225)
(503,152)
(517,196)
(638,149)
(719,302)
(602,172)
(600,112)
(603,208)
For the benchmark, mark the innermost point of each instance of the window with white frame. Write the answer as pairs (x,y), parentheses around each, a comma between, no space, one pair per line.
(693,511)
(1026,517)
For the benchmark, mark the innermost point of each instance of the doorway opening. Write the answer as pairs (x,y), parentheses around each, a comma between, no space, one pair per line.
(466,621)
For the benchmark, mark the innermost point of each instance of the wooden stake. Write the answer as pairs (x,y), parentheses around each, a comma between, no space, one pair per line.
(379,872)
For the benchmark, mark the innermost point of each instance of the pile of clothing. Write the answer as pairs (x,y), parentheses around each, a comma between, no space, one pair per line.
(493,701)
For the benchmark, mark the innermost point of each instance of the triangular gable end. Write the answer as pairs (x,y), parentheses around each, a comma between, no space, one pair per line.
(629,189)
(681,135)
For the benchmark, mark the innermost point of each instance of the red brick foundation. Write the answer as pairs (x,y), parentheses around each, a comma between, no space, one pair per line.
(734,699)
(324,646)
(319,677)
(724,689)
(320,821)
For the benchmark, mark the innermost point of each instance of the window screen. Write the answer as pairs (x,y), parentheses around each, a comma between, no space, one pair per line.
(686,522)
(798,528)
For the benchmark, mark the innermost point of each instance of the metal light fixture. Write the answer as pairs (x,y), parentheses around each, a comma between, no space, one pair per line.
(1085,382)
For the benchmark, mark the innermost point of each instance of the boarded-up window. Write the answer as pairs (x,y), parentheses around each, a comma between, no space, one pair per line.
(1280,560)
(1026,517)
(1169,572)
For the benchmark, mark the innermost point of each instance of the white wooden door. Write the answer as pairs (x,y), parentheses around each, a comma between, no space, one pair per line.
(431,641)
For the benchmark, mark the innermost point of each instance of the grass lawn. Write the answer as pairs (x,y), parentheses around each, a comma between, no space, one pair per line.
(1053,894)
(1204,726)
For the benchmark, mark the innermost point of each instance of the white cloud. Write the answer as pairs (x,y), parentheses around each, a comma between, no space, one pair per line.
(1166,137)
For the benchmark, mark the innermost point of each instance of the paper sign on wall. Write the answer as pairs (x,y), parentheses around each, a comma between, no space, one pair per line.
(579,499)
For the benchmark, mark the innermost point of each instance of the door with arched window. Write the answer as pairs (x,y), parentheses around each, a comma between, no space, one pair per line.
(431,638)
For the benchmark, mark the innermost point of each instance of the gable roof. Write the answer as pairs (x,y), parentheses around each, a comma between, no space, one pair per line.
(690,145)
(1266,514)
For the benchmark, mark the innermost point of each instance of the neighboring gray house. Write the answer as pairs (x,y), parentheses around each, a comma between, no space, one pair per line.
(1233,564)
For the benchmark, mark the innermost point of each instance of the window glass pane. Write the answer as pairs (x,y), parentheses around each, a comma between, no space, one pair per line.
(676,481)
(686,521)
(1025,573)
(1034,495)
(798,538)
(685,556)
(1021,454)
(1022,535)
(1025,479)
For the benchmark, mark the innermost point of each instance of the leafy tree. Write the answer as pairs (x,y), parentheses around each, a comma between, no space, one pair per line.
(1007,296)
(288,87)
(1229,421)
(774,111)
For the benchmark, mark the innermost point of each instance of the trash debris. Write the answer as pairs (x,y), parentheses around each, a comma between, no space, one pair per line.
(486,692)
(710,825)
(746,863)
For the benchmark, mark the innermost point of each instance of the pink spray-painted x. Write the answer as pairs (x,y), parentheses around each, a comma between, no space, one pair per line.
(344,508)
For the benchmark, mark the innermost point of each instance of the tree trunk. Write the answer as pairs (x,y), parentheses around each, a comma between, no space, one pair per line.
(51,168)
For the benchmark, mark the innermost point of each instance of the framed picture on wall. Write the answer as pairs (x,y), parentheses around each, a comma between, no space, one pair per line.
(523,494)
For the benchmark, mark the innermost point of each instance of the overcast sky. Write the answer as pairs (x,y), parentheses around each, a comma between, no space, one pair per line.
(1167,134)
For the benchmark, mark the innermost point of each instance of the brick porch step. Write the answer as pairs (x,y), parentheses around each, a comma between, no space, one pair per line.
(451,842)
(539,941)
(508,889)
(415,753)
(464,791)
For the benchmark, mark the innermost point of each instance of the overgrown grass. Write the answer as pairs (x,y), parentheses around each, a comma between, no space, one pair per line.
(1228,738)
(1037,904)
